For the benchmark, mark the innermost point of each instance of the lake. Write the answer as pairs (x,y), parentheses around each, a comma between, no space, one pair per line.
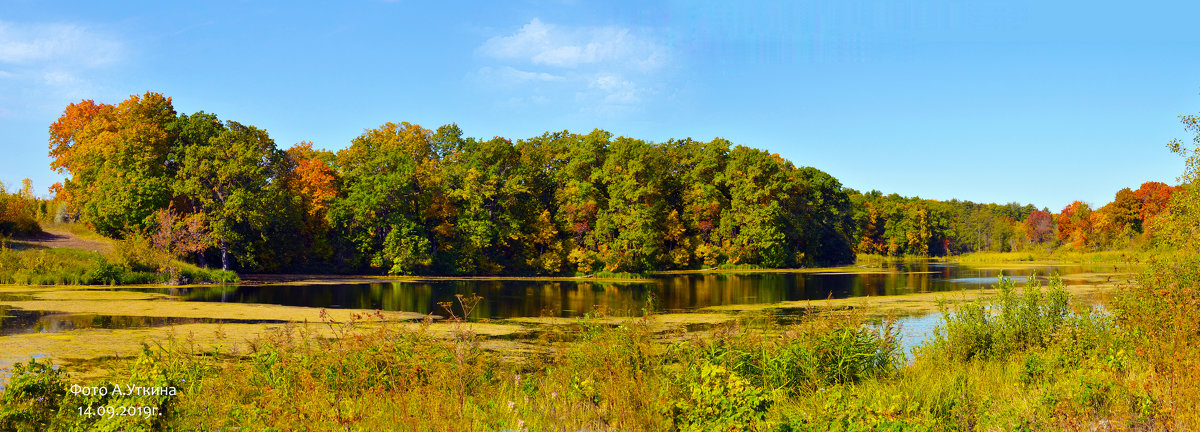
(502,298)
(661,293)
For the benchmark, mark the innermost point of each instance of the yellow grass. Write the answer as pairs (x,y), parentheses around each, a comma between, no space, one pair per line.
(917,303)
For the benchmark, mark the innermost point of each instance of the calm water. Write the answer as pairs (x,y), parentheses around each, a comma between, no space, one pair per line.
(18,321)
(668,293)
(505,299)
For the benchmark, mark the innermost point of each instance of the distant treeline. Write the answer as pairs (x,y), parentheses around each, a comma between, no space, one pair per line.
(404,199)
(895,225)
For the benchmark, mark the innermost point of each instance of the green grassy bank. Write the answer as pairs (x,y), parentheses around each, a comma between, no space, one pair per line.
(61,266)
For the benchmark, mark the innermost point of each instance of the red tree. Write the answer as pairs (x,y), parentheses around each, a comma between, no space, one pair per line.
(1039,226)
(1155,197)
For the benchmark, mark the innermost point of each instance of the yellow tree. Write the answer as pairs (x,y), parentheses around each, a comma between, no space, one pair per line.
(118,159)
(1075,225)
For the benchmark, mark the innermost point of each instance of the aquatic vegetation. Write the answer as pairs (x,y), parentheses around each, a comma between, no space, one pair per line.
(1018,357)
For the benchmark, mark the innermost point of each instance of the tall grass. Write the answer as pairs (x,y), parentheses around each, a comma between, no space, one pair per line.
(877,260)
(1062,255)
(57,266)
(1026,359)
(377,375)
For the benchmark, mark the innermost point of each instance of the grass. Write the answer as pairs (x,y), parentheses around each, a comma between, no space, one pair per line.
(63,266)
(383,376)
(876,260)
(1061,255)
(1125,258)
(662,322)
(1015,358)
(121,262)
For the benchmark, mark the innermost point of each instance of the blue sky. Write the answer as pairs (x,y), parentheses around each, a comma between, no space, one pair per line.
(1012,101)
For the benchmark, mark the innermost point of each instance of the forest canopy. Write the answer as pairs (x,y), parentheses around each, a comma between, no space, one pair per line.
(403,199)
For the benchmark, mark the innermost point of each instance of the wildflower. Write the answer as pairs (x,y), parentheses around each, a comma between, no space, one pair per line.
(511,404)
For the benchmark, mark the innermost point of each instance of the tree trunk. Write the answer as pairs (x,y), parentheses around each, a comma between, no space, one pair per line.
(224,255)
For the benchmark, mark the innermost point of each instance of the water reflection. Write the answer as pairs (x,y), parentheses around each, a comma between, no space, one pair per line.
(667,293)
(18,321)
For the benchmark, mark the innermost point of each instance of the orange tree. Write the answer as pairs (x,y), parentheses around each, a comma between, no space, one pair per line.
(119,160)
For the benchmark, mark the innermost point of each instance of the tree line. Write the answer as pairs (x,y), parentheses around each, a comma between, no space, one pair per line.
(408,200)
(894,225)
(403,199)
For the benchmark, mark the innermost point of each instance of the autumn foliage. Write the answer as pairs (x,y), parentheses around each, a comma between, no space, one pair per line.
(405,199)
(19,210)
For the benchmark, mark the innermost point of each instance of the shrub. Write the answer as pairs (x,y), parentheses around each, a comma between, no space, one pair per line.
(820,353)
(137,253)
(1161,316)
(32,397)
(105,273)
(717,399)
(996,328)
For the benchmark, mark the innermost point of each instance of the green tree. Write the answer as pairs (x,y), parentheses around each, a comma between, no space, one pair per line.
(541,246)
(629,230)
(390,187)
(755,229)
(482,193)
(703,198)
(578,196)
(1179,227)
(234,179)
(824,218)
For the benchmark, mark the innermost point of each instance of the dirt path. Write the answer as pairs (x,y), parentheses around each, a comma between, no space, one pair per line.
(52,238)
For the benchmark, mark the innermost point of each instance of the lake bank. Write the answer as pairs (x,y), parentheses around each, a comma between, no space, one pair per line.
(794,363)
(235,324)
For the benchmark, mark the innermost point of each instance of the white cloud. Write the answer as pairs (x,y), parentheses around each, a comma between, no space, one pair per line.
(616,90)
(545,44)
(63,44)
(606,68)
(508,75)
(60,79)
(53,64)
